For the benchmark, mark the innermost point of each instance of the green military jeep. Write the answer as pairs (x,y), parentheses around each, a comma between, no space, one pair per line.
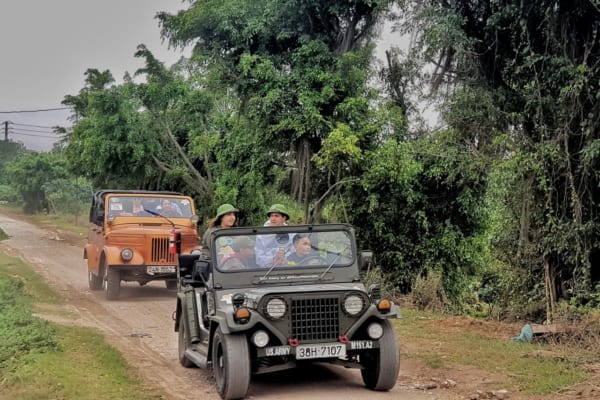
(242,316)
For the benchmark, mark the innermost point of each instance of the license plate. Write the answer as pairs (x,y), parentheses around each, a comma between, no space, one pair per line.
(307,351)
(160,269)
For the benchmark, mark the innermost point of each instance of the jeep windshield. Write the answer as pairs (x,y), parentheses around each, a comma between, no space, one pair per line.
(283,250)
(141,205)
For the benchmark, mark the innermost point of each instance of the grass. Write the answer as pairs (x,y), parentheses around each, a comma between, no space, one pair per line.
(39,359)
(69,223)
(85,368)
(533,368)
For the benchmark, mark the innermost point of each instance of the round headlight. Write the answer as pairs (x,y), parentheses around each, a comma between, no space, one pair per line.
(260,338)
(375,330)
(275,308)
(126,254)
(353,304)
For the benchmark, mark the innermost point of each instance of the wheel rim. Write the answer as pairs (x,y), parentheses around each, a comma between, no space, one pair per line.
(105,279)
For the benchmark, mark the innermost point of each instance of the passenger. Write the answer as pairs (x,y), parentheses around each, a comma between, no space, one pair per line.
(242,257)
(227,216)
(271,250)
(167,209)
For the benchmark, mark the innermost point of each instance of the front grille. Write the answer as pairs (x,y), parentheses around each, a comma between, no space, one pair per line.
(160,251)
(315,319)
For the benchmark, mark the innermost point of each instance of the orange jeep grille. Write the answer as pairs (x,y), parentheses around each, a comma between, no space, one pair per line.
(160,251)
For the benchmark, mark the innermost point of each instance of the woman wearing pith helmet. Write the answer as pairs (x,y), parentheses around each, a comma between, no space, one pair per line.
(227,216)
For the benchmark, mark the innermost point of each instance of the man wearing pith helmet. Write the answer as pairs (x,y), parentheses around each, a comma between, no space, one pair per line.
(271,249)
(226,218)
(277,215)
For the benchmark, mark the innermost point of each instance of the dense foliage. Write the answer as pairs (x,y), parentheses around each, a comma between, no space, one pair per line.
(276,104)
(523,94)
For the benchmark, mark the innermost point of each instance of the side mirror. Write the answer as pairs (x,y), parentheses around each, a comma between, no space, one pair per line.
(365,259)
(196,220)
(201,270)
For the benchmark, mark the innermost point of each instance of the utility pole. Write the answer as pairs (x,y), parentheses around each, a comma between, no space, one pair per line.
(6,131)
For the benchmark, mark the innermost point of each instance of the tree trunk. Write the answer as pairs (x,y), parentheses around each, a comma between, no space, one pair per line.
(550,292)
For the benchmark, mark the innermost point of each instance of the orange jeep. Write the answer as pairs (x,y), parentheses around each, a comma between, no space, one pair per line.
(135,235)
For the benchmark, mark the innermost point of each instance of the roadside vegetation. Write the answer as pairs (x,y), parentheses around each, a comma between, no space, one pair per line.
(494,213)
(451,346)
(41,359)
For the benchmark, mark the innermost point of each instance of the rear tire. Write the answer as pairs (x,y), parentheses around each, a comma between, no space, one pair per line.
(231,365)
(182,343)
(112,283)
(380,366)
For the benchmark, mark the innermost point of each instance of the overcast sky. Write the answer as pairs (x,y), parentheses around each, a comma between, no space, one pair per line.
(47,45)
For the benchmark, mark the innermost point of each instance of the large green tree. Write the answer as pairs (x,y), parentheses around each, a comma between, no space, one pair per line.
(298,68)
(523,79)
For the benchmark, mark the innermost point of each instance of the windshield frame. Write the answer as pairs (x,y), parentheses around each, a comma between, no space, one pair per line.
(267,273)
(121,205)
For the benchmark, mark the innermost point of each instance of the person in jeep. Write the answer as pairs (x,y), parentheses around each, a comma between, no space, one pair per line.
(227,216)
(272,249)
(303,253)
(243,255)
(168,209)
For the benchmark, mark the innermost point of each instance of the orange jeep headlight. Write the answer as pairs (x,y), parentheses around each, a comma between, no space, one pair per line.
(126,254)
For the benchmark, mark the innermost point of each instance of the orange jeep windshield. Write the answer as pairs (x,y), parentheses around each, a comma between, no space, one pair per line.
(148,206)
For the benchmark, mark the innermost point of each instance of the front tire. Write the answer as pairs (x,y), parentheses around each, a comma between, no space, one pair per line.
(182,343)
(94,281)
(112,283)
(231,365)
(380,366)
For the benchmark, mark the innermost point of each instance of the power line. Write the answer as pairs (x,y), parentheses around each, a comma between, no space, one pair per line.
(29,130)
(37,110)
(11,132)
(35,126)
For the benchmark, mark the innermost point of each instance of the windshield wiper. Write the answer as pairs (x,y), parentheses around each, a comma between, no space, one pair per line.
(267,273)
(162,216)
(330,265)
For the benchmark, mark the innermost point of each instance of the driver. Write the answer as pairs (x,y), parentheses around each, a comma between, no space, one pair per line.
(303,253)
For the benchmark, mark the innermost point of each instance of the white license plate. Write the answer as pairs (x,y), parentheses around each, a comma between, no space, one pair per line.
(160,269)
(306,351)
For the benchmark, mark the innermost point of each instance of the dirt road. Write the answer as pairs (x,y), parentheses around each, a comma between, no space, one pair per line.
(140,325)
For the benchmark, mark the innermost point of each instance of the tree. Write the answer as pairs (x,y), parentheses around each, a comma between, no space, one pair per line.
(523,81)
(112,141)
(294,66)
(30,172)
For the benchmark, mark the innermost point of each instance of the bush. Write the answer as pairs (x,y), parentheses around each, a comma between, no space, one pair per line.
(428,292)
(20,332)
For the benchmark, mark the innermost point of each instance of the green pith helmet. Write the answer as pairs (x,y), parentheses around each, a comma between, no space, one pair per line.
(278,208)
(226,208)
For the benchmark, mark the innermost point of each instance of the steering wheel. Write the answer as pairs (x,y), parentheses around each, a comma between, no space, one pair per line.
(307,260)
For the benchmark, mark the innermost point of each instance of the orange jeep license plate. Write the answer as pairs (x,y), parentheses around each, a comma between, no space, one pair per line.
(160,269)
